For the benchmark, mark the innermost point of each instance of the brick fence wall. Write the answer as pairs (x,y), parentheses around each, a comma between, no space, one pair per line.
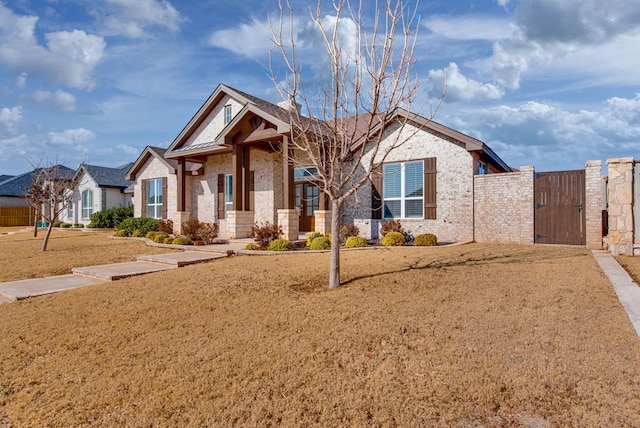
(504,206)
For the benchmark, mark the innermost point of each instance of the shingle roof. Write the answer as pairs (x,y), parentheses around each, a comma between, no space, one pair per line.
(4,178)
(18,185)
(109,177)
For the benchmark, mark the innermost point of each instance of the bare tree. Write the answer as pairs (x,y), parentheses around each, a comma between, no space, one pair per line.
(51,191)
(366,84)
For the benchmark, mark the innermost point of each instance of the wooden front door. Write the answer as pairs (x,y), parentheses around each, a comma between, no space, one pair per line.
(307,202)
(559,208)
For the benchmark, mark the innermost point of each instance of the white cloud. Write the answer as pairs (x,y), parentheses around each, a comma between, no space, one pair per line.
(249,40)
(470,27)
(60,100)
(68,58)
(461,88)
(74,139)
(137,15)
(21,80)
(9,117)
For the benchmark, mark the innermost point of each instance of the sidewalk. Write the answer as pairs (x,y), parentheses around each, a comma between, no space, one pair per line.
(91,275)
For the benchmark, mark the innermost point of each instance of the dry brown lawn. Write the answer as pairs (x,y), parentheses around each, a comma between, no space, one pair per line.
(21,258)
(632,265)
(474,335)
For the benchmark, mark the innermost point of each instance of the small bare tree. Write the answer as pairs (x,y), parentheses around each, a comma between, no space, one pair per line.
(51,191)
(366,84)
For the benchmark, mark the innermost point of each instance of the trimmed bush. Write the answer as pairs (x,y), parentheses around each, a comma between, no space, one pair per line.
(66,225)
(321,243)
(78,226)
(426,240)
(151,234)
(280,245)
(136,233)
(166,226)
(252,247)
(264,233)
(112,217)
(168,240)
(393,239)
(347,231)
(143,224)
(356,242)
(181,240)
(57,223)
(197,230)
(312,236)
(159,237)
(392,226)
(121,233)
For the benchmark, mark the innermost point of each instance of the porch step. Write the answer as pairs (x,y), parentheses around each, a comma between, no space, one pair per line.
(116,271)
(181,259)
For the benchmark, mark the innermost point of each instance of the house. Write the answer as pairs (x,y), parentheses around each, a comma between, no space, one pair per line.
(227,166)
(13,190)
(99,188)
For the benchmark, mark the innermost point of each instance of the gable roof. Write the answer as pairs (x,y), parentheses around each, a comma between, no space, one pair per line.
(159,154)
(251,104)
(108,177)
(5,177)
(17,186)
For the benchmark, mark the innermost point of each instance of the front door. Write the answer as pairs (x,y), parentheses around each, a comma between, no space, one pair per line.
(307,202)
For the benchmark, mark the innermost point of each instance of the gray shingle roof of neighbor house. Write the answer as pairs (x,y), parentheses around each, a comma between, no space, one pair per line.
(108,177)
(4,178)
(18,185)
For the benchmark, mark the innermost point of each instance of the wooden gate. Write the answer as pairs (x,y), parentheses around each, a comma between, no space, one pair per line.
(16,216)
(559,208)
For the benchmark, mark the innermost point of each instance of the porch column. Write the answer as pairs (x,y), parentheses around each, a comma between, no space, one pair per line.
(180,175)
(288,196)
(236,171)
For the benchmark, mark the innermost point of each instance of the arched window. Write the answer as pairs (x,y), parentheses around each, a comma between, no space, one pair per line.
(87,203)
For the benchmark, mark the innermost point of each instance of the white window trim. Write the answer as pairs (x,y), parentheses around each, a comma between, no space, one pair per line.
(403,199)
(228,193)
(87,210)
(228,113)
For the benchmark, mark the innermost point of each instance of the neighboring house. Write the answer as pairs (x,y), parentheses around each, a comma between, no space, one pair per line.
(13,189)
(226,166)
(99,188)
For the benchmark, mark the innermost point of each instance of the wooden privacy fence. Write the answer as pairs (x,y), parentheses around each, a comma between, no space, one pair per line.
(16,216)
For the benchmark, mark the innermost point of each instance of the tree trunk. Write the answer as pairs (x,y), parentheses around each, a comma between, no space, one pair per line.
(334,268)
(35,225)
(46,237)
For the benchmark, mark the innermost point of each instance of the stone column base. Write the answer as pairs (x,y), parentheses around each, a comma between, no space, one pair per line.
(179,218)
(369,228)
(239,224)
(289,222)
(323,221)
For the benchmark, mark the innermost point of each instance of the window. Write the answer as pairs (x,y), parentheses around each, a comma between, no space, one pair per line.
(482,168)
(228,114)
(228,193)
(305,173)
(154,198)
(403,190)
(70,211)
(87,204)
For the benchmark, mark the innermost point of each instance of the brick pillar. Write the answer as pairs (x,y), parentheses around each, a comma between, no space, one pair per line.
(620,206)
(179,218)
(323,221)
(289,222)
(239,224)
(593,203)
(527,230)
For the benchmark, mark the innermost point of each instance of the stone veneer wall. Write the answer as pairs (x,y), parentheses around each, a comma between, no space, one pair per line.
(620,206)
(156,169)
(503,207)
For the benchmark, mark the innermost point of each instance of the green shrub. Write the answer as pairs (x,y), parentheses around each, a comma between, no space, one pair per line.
(347,231)
(121,233)
(110,218)
(320,243)
(143,224)
(264,233)
(66,225)
(168,240)
(78,225)
(252,247)
(356,242)
(426,240)
(57,223)
(280,245)
(197,230)
(392,226)
(136,233)
(159,237)
(312,236)
(393,239)
(181,240)
(151,234)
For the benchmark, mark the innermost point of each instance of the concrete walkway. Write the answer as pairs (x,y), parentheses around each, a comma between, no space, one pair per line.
(91,275)
(627,290)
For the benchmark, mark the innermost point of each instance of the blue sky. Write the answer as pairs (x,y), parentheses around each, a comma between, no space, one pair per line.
(549,83)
